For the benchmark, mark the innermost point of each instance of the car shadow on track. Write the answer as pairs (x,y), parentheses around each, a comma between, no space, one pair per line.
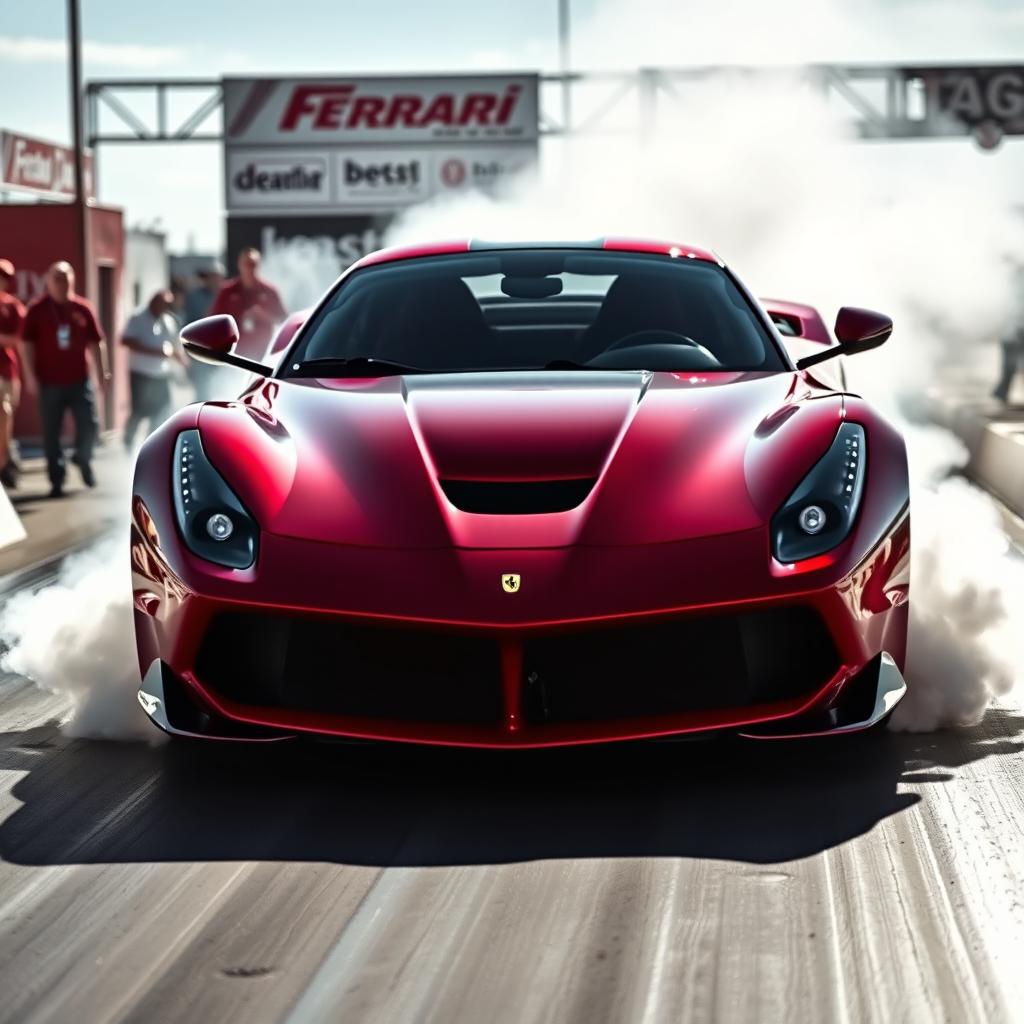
(94,802)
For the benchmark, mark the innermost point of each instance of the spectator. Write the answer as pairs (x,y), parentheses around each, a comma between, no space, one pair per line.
(178,291)
(198,303)
(1013,352)
(1012,342)
(1012,339)
(199,300)
(254,303)
(12,314)
(151,337)
(59,330)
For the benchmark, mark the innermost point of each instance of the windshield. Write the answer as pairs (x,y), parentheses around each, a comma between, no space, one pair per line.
(521,309)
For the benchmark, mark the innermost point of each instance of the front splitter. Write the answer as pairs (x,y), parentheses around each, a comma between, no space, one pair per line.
(867,701)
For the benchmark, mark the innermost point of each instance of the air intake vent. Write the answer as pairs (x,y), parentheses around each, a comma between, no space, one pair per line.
(517,498)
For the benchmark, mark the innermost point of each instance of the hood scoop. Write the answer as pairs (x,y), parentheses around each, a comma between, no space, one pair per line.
(517,497)
(520,429)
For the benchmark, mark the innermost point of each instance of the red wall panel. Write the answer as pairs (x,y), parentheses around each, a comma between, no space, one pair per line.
(33,236)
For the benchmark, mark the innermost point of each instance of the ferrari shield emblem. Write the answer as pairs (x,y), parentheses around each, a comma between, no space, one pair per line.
(510,582)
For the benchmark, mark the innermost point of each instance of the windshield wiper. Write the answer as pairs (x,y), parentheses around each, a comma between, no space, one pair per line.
(356,366)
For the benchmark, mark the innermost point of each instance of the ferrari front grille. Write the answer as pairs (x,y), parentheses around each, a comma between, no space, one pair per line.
(319,665)
(703,663)
(688,664)
(517,497)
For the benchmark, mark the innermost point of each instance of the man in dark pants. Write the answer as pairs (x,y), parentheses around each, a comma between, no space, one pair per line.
(59,330)
(12,313)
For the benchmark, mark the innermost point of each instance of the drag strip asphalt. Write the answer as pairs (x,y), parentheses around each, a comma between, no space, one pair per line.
(857,879)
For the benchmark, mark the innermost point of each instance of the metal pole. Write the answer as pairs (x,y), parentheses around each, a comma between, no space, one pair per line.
(563,60)
(92,121)
(81,210)
(648,91)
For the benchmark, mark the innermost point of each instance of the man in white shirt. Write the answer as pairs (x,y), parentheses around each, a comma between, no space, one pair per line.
(151,337)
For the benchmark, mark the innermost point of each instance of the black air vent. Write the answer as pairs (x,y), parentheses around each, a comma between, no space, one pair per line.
(325,667)
(517,498)
(705,663)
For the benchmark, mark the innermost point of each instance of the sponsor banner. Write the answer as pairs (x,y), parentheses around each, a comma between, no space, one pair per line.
(483,168)
(272,178)
(355,178)
(322,245)
(383,177)
(400,176)
(40,166)
(463,108)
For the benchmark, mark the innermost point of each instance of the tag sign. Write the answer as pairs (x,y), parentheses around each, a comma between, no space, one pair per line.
(64,337)
(975,96)
(985,102)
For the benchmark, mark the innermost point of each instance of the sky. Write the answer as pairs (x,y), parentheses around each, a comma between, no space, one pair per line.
(179,187)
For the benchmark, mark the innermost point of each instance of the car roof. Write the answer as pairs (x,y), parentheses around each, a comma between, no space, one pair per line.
(617,244)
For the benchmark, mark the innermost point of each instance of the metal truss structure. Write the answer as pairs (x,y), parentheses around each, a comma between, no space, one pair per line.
(138,110)
(880,101)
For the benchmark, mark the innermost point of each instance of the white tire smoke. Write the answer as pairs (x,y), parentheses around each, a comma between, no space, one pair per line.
(75,637)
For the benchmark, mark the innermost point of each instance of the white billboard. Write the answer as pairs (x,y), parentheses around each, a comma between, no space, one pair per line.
(344,110)
(297,149)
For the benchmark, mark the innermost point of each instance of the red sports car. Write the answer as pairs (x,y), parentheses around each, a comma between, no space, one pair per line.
(506,495)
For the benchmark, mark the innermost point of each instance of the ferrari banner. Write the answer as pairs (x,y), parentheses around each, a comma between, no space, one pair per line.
(449,109)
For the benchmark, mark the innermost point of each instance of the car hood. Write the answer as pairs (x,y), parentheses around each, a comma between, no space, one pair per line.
(660,456)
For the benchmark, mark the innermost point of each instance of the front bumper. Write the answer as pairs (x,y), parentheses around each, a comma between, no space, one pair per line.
(183,710)
(568,597)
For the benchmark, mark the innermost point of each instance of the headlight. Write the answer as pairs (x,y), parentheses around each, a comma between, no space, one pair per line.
(819,513)
(212,520)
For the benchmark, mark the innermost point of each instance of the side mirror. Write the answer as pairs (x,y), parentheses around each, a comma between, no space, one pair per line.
(212,340)
(212,334)
(857,330)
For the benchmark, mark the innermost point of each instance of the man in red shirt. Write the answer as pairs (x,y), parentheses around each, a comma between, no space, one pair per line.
(59,329)
(12,313)
(254,303)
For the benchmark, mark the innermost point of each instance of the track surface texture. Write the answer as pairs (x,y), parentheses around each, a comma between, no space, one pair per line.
(877,879)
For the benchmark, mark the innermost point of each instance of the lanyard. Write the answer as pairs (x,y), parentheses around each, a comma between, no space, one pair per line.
(63,326)
(55,312)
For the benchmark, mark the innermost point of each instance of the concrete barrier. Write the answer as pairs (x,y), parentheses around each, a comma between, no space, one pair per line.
(997,462)
(11,530)
(994,438)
